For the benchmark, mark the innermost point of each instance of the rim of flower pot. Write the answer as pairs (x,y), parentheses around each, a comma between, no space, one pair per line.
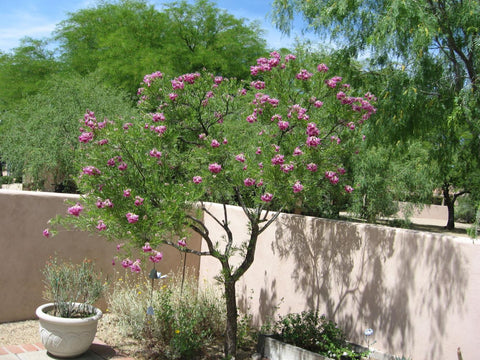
(41,314)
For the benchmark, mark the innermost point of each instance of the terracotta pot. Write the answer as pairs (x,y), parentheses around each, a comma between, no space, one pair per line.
(67,337)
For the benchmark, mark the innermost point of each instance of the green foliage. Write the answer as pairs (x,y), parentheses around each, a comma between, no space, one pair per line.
(24,71)
(315,333)
(123,40)
(67,284)
(466,209)
(185,321)
(39,139)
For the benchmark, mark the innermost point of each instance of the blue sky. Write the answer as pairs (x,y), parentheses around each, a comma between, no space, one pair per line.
(38,18)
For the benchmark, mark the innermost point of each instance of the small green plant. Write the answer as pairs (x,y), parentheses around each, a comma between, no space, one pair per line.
(184,319)
(73,288)
(315,333)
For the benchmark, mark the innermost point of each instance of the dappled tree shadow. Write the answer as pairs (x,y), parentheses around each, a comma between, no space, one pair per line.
(363,275)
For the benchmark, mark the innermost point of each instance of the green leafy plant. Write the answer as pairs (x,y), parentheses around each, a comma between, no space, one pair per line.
(315,333)
(184,319)
(74,288)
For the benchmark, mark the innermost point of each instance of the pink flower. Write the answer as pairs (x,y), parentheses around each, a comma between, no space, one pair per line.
(297,151)
(249,182)
(119,246)
(147,247)
(172,96)
(135,267)
(91,170)
(267,197)
(312,167)
(197,179)
(160,129)
(156,257)
(182,242)
(290,57)
(225,141)
(215,143)
(304,75)
(283,125)
(155,153)
(297,187)
(101,225)
(75,210)
(123,166)
(156,117)
(313,141)
(176,84)
(348,188)
(278,159)
(103,142)
(108,203)
(259,151)
(259,85)
(127,193)
(286,168)
(322,68)
(318,104)
(240,157)
(218,80)
(341,170)
(132,218)
(138,201)
(126,263)
(46,233)
(85,137)
(215,168)
(312,129)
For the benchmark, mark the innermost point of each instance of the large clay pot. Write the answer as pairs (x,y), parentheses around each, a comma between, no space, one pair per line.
(66,337)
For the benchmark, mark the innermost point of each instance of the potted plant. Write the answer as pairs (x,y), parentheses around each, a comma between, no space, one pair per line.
(68,324)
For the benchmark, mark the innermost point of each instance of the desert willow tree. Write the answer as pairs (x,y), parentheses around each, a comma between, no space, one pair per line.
(267,145)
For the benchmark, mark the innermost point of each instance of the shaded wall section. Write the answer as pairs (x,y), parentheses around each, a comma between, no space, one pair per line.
(419,291)
(24,250)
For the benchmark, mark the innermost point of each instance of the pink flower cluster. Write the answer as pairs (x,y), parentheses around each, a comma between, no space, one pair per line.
(91,170)
(76,209)
(147,79)
(132,218)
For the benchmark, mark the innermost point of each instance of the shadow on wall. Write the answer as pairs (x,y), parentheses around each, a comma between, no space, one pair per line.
(365,276)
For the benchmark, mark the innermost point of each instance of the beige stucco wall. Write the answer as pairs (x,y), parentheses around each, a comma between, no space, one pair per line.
(24,250)
(420,292)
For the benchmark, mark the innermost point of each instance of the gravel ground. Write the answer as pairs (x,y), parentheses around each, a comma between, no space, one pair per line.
(26,332)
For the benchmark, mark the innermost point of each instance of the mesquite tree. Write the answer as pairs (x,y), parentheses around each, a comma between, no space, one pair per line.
(273,143)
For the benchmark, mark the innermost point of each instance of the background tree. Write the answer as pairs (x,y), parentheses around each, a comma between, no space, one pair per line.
(23,71)
(204,36)
(43,129)
(124,40)
(436,44)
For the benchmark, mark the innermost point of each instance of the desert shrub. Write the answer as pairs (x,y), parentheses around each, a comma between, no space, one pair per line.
(315,333)
(184,320)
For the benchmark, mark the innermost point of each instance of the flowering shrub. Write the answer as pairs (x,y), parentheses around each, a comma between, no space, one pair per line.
(277,142)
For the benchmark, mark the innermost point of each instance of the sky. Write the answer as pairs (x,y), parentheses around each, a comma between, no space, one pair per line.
(37,18)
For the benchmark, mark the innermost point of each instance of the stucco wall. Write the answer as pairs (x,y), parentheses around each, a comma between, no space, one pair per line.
(24,250)
(420,292)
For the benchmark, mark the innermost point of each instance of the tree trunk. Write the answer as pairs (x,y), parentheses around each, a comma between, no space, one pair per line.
(450,203)
(231,326)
